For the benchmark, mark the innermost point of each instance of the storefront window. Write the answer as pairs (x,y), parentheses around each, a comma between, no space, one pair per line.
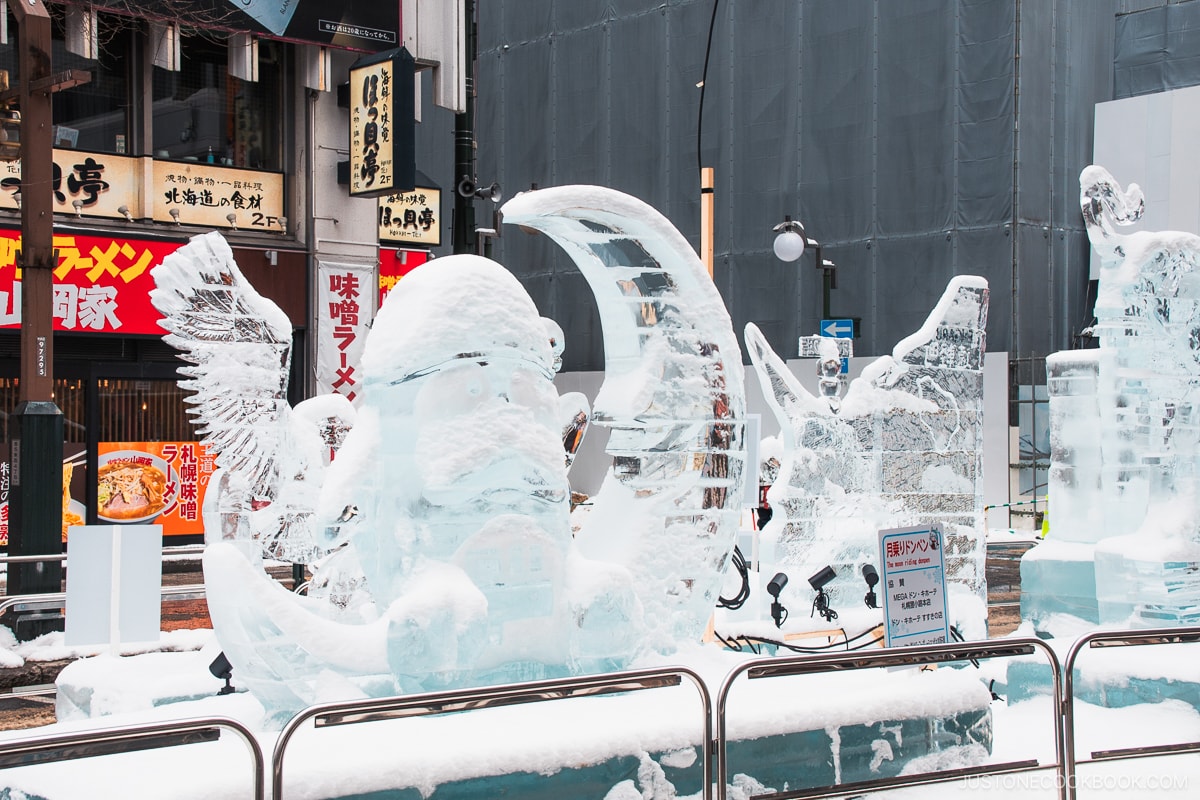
(143,411)
(202,113)
(93,116)
(69,396)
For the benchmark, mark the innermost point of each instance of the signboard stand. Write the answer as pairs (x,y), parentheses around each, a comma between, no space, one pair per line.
(913,575)
(114,584)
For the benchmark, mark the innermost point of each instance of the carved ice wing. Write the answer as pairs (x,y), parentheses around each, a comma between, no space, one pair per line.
(783,393)
(239,346)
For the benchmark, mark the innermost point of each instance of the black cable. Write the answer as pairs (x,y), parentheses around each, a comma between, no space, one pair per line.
(845,644)
(958,637)
(712,23)
(738,600)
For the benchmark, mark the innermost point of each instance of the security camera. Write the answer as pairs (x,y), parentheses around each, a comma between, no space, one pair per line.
(777,583)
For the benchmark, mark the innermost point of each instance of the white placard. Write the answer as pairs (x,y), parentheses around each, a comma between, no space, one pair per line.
(114,584)
(913,576)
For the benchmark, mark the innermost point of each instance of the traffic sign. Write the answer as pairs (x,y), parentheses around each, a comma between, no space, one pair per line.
(838,328)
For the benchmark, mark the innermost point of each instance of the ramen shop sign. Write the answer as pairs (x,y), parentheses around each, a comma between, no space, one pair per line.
(382,148)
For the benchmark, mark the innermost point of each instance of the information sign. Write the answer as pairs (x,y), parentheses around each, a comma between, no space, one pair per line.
(914,586)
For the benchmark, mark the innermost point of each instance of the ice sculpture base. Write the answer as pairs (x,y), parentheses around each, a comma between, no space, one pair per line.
(106,685)
(1148,581)
(1058,579)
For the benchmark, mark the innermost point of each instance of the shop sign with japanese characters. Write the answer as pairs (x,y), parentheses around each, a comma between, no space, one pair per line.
(408,218)
(101,183)
(382,155)
(914,586)
(217,197)
(109,186)
(101,284)
(344,306)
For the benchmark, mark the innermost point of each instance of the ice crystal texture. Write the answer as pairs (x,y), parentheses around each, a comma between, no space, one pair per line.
(1123,425)
(903,447)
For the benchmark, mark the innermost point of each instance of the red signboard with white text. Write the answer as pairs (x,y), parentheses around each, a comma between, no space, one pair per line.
(101,284)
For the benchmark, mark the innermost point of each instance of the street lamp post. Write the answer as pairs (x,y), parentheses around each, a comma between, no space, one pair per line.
(790,244)
(35,520)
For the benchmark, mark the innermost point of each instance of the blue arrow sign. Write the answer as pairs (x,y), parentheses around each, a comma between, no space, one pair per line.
(838,328)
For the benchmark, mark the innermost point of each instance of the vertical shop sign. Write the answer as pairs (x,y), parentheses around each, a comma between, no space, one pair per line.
(382,108)
(344,309)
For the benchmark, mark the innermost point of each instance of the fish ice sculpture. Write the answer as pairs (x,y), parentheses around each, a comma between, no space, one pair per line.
(903,447)
(443,520)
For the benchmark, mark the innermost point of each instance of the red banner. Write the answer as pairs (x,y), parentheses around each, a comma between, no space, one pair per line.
(101,284)
(395,264)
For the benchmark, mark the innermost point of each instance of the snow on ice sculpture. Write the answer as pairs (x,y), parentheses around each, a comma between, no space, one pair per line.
(1125,501)
(903,447)
(445,512)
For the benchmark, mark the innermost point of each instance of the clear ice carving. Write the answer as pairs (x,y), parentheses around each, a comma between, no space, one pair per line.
(902,447)
(442,523)
(1124,547)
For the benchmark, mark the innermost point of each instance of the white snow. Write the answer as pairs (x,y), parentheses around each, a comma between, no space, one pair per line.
(543,738)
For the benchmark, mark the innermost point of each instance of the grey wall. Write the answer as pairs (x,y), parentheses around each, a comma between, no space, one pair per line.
(909,138)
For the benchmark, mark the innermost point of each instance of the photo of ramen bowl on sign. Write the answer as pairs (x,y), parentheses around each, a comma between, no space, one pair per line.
(131,487)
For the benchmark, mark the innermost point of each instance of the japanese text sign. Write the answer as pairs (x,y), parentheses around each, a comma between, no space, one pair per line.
(914,586)
(382,108)
(409,218)
(101,283)
(344,309)
(204,194)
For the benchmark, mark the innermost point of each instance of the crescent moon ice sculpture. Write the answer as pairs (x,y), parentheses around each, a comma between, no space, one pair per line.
(442,524)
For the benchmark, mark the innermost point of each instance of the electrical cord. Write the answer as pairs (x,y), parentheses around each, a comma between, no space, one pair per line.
(754,642)
(712,23)
(738,600)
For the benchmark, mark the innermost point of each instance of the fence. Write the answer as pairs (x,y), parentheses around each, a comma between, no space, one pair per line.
(1061,718)
(128,739)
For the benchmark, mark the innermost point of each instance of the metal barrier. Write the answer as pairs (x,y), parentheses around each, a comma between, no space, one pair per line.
(129,739)
(1098,639)
(908,656)
(30,602)
(375,710)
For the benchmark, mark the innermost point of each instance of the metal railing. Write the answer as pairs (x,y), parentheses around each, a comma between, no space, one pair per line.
(129,739)
(392,708)
(31,602)
(1099,639)
(908,656)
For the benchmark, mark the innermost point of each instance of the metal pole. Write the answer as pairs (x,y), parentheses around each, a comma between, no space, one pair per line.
(707,203)
(464,148)
(35,524)
(826,282)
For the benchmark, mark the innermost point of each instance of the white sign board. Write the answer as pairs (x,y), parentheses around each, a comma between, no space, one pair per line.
(913,576)
(114,584)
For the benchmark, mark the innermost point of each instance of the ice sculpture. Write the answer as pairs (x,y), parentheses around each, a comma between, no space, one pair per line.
(903,447)
(1125,521)
(443,520)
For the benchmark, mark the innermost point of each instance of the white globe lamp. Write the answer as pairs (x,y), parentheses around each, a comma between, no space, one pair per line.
(789,245)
